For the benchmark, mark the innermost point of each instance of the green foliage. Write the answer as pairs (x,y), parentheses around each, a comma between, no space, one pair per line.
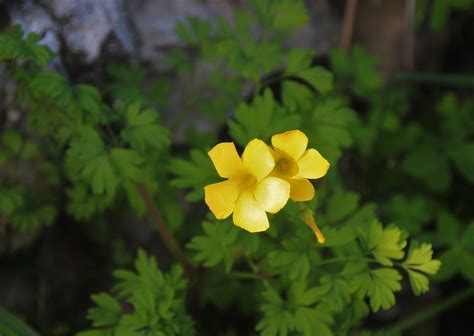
(329,127)
(263,118)
(156,300)
(16,47)
(144,129)
(10,325)
(440,11)
(195,173)
(379,285)
(418,263)
(383,243)
(24,212)
(410,213)
(281,16)
(299,312)
(221,243)
(356,71)
(437,175)
(94,155)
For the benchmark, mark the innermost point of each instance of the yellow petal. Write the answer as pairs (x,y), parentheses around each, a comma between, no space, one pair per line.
(249,215)
(312,165)
(292,142)
(226,159)
(258,159)
(272,193)
(302,190)
(221,197)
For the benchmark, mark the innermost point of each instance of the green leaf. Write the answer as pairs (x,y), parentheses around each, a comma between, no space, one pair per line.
(329,130)
(92,162)
(379,285)
(468,238)
(463,157)
(294,260)
(54,86)
(127,164)
(11,199)
(89,100)
(436,174)
(299,65)
(335,292)
(281,15)
(409,213)
(217,245)
(383,243)
(10,325)
(356,71)
(195,173)
(83,203)
(261,119)
(14,46)
(107,313)
(126,81)
(339,237)
(448,228)
(29,220)
(295,314)
(144,129)
(418,263)
(319,77)
(155,299)
(89,160)
(341,205)
(441,10)
(466,264)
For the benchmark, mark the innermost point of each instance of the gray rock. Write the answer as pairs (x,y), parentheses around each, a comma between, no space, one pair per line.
(34,18)
(88,23)
(155,22)
(145,28)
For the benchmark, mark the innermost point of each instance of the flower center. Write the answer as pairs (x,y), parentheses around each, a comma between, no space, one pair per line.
(286,168)
(248,181)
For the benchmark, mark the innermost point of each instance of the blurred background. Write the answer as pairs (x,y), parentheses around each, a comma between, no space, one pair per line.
(426,46)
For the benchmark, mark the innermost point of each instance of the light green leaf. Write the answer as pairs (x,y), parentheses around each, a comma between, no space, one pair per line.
(107,312)
(418,263)
(383,243)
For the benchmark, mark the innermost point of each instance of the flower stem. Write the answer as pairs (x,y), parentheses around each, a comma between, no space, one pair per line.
(432,311)
(168,239)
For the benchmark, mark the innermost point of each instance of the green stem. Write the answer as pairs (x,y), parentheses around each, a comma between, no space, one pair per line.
(436,78)
(432,311)
(170,242)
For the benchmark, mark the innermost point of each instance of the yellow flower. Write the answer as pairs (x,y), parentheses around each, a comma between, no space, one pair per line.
(248,192)
(296,164)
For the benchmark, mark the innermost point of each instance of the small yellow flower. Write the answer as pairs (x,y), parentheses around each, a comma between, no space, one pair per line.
(249,192)
(296,164)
